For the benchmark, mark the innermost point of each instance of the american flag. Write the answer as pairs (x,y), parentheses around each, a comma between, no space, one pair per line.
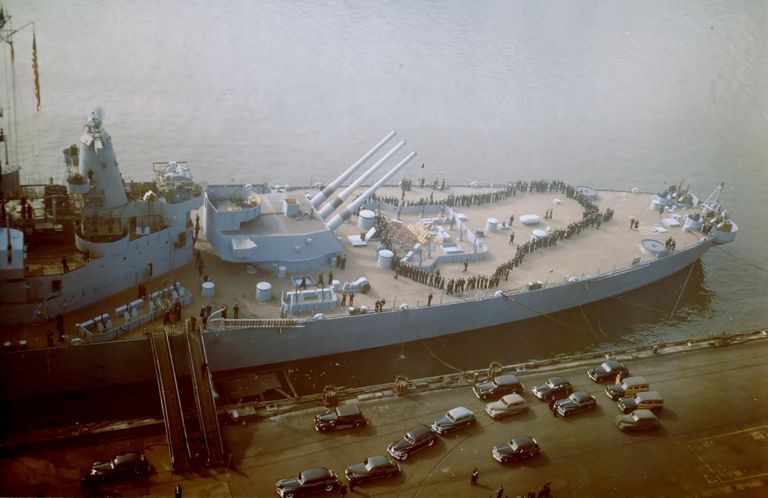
(36,72)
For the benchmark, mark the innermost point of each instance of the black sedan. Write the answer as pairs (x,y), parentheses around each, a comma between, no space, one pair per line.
(608,370)
(131,464)
(498,386)
(342,417)
(553,388)
(575,403)
(416,439)
(308,482)
(518,448)
(371,469)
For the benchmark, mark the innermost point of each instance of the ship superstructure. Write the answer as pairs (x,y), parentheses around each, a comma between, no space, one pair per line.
(95,236)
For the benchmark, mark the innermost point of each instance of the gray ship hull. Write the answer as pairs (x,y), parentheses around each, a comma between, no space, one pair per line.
(48,370)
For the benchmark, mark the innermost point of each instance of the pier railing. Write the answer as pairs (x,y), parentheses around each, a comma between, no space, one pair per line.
(218,324)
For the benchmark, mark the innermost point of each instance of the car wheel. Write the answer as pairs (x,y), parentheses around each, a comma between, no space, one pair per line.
(288,495)
(405,456)
(329,487)
(431,442)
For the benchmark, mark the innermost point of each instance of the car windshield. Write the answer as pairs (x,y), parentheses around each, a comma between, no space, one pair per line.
(555,381)
(505,402)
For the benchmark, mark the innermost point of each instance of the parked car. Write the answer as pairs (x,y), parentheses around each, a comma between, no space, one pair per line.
(343,417)
(645,400)
(518,448)
(498,386)
(575,403)
(307,482)
(371,469)
(638,420)
(628,387)
(608,370)
(414,440)
(507,405)
(553,388)
(455,419)
(123,465)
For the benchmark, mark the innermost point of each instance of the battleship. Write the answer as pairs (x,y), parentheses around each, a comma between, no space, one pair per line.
(271,274)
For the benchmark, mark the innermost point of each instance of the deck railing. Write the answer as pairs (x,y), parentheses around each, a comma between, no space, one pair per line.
(218,324)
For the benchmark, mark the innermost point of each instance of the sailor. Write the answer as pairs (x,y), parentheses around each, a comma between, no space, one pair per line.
(343,298)
(475,476)
(545,490)
(64,264)
(511,238)
(343,261)
(236,311)
(320,282)
(351,298)
(60,323)
(466,264)
(224,312)
(330,277)
(429,299)
(86,256)
(303,284)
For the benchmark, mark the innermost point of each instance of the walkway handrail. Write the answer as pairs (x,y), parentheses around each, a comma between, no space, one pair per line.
(218,324)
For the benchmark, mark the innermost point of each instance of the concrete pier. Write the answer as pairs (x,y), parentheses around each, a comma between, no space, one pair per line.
(712,440)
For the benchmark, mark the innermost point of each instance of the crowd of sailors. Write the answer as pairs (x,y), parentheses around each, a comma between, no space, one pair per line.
(482,198)
(592,217)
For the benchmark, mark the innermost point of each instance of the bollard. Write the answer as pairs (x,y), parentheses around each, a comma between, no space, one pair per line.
(330,395)
(494,369)
(401,385)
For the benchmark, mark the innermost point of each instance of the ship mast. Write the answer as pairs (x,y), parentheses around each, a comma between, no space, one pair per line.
(6,36)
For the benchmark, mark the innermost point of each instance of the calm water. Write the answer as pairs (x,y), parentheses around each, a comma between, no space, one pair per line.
(618,94)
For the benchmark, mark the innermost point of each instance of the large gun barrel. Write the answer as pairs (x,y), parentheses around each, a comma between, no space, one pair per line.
(337,220)
(336,201)
(321,196)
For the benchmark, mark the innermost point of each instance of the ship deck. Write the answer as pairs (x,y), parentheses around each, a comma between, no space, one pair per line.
(273,222)
(592,252)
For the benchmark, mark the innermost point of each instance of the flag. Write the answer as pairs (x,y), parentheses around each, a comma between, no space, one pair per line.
(36,72)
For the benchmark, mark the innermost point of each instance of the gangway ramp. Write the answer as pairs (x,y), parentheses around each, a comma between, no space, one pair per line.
(205,402)
(170,401)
